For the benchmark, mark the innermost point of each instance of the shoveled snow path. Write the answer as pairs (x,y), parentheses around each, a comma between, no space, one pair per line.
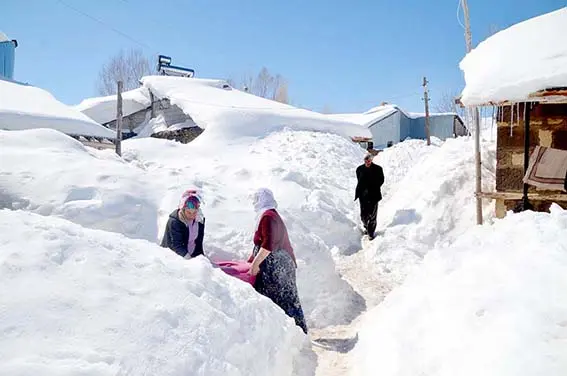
(333,344)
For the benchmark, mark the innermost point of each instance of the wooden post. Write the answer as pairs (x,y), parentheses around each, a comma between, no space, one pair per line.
(426,100)
(476,120)
(527,111)
(119,120)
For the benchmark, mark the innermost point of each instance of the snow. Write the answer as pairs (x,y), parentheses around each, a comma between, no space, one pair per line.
(3,37)
(520,60)
(132,198)
(229,113)
(490,304)
(28,107)
(367,118)
(89,291)
(103,109)
(158,124)
(81,301)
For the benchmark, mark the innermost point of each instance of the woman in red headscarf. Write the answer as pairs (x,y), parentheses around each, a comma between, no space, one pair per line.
(185,227)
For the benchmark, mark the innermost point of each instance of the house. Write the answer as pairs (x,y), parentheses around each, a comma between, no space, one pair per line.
(389,124)
(180,108)
(23,106)
(144,114)
(7,56)
(526,78)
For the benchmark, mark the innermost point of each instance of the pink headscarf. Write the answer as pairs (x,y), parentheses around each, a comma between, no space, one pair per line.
(191,194)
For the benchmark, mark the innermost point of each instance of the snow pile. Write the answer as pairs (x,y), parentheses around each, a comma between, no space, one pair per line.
(134,197)
(103,109)
(518,61)
(80,301)
(312,176)
(227,113)
(48,173)
(428,200)
(27,107)
(493,304)
(159,124)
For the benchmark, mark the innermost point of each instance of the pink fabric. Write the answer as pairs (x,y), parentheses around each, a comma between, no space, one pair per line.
(237,269)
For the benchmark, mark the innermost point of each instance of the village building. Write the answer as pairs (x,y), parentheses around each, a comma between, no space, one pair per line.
(23,106)
(523,72)
(389,125)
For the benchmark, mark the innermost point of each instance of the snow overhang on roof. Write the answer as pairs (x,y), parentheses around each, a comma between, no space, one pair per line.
(525,62)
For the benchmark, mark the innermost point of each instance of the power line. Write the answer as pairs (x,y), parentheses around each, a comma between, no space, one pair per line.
(459,14)
(142,44)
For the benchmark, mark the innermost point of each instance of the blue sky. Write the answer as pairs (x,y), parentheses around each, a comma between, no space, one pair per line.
(344,56)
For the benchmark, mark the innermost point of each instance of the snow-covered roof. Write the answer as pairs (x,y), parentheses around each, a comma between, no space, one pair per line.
(379,113)
(369,117)
(28,107)
(220,109)
(3,37)
(103,109)
(518,61)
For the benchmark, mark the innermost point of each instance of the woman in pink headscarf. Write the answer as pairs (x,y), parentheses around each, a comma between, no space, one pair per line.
(185,227)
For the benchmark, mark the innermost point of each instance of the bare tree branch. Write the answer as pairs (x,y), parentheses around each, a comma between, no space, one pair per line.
(128,67)
(446,103)
(264,85)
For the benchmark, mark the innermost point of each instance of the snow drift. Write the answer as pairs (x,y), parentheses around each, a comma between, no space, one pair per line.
(306,170)
(428,200)
(48,173)
(27,107)
(490,304)
(81,301)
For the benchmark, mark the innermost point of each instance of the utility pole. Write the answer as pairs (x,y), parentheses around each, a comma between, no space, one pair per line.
(426,100)
(476,120)
(119,120)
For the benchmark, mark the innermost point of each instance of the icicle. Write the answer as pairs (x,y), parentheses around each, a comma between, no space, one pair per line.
(511,119)
(525,105)
(492,124)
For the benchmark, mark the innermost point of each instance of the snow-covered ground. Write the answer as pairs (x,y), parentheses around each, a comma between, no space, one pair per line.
(89,291)
(81,301)
(493,303)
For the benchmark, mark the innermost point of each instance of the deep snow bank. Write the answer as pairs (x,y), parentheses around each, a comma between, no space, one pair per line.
(48,173)
(79,301)
(428,200)
(493,304)
(312,176)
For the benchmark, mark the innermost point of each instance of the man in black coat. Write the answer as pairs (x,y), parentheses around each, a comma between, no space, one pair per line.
(185,229)
(370,178)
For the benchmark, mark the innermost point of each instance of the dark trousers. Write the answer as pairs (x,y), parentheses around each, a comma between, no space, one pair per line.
(276,281)
(368,211)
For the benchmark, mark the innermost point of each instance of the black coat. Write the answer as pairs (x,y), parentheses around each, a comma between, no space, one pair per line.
(370,180)
(176,236)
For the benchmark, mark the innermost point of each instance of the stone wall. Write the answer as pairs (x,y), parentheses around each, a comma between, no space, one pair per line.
(184,135)
(548,127)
